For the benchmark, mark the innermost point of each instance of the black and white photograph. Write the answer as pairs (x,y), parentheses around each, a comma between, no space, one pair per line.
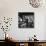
(26,19)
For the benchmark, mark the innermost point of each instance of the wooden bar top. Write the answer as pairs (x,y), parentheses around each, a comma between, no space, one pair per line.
(40,41)
(26,41)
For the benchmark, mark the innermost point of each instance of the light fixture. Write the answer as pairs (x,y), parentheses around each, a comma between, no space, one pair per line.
(36,3)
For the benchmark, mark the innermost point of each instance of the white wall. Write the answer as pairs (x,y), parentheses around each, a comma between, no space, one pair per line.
(10,8)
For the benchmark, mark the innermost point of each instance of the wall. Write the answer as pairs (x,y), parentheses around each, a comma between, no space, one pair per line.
(10,8)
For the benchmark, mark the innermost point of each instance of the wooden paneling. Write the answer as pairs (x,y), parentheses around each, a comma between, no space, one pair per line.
(17,44)
(44,44)
(40,44)
(25,44)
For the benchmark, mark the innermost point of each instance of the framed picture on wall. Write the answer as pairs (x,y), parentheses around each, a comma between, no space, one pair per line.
(26,19)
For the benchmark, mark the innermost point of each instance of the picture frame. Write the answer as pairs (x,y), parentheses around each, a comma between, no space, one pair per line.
(25,19)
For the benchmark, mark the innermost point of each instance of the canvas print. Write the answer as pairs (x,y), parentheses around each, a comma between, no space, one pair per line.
(26,19)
